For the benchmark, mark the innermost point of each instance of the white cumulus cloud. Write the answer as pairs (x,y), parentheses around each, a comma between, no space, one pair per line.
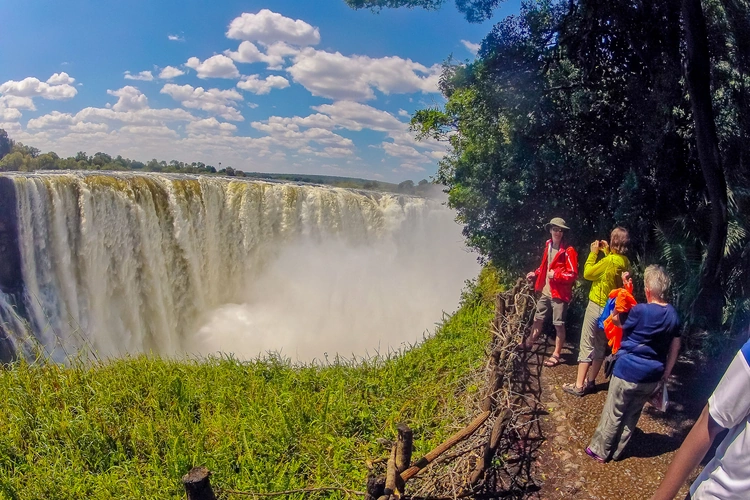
(356,116)
(170,72)
(176,38)
(144,116)
(33,87)
(130,99)
(60,79)
(337,76)
(9,114)
(402,151)
(256,85)
(12,101)
(275,54)
(144,76)
(218,66)
(269,27)
(54,120)
(210,126)
(218,102)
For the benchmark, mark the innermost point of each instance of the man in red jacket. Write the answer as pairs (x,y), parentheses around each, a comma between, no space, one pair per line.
(554,278)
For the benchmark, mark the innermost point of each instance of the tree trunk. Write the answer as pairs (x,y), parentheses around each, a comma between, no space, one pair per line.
(710,300)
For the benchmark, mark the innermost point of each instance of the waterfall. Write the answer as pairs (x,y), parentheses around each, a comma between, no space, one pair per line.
(121,263)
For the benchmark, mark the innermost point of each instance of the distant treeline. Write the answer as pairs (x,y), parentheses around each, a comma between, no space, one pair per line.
(16,156)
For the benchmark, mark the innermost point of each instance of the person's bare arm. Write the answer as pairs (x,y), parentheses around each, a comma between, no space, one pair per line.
(690,454)
(674,351)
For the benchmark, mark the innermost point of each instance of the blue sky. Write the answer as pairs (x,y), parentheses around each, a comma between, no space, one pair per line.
(283,86)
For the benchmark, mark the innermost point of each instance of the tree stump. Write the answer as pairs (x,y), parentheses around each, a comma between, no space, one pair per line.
(198,485)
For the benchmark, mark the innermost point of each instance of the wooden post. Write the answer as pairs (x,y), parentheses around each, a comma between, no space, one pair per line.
(499,312)
(198,485)
(391,484)
(497,382)
(403,447)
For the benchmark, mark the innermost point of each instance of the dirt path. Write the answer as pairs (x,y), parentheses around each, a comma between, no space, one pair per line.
(563,470)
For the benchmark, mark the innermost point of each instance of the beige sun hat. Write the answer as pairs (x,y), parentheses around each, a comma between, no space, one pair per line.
(556,221)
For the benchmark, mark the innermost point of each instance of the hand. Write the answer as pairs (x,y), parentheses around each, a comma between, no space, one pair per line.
(595,247)
(531,276)
(626,278)
(604,245)
(550,274)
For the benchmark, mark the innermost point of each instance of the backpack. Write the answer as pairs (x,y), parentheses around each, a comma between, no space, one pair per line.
(609,308)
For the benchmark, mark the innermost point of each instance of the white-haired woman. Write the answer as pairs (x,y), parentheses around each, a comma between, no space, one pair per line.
(649,349)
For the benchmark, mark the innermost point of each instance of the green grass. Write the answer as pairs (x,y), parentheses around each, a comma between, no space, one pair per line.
(131,428)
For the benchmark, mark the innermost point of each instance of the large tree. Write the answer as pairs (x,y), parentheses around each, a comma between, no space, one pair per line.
(5,143)
(605,112)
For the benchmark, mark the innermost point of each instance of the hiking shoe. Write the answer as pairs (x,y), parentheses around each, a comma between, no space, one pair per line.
(594,456)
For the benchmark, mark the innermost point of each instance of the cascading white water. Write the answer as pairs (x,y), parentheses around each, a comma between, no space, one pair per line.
(124,263)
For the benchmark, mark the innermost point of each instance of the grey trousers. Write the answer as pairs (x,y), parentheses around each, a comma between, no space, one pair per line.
(593,346)
(620,416)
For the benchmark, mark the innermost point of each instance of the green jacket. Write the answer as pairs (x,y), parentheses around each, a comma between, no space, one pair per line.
(606,274)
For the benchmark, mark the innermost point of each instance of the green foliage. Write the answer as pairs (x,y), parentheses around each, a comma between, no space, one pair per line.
(131,428)
(28,159)
(579,110)
(475,11)
(5,143)
(393,4)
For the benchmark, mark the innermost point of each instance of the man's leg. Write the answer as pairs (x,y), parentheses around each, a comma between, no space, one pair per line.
(536,329)
(543,309)
(559,310)
(596,366)
(559,340)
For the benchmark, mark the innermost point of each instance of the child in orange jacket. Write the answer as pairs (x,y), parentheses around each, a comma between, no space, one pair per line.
(624,302)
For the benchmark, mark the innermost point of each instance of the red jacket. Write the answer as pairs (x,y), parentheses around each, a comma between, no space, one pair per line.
(565,266)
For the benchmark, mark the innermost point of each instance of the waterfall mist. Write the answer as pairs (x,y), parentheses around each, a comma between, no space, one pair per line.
(334,297)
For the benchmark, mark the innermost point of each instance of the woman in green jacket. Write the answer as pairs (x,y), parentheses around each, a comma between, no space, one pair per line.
(606,276)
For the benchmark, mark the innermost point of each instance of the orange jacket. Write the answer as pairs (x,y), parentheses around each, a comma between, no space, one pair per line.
(565,266)
(624,302)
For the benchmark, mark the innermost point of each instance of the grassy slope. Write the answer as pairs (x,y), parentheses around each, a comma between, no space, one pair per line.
(131,428)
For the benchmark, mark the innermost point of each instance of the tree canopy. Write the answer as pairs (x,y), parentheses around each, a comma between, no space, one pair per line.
(475,11)
(592,111)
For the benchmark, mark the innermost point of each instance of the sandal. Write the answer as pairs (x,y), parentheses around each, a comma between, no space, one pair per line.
(552,361)
(577,391)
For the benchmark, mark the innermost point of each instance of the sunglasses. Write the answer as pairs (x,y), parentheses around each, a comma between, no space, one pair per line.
(557,229)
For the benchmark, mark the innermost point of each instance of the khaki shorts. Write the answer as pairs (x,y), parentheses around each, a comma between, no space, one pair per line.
(593,346)
(557,306)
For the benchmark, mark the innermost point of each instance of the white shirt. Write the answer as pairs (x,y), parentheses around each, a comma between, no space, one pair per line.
(551,255)
(727,475)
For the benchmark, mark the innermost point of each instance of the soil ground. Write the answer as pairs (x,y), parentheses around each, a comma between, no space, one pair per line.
(565,423)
